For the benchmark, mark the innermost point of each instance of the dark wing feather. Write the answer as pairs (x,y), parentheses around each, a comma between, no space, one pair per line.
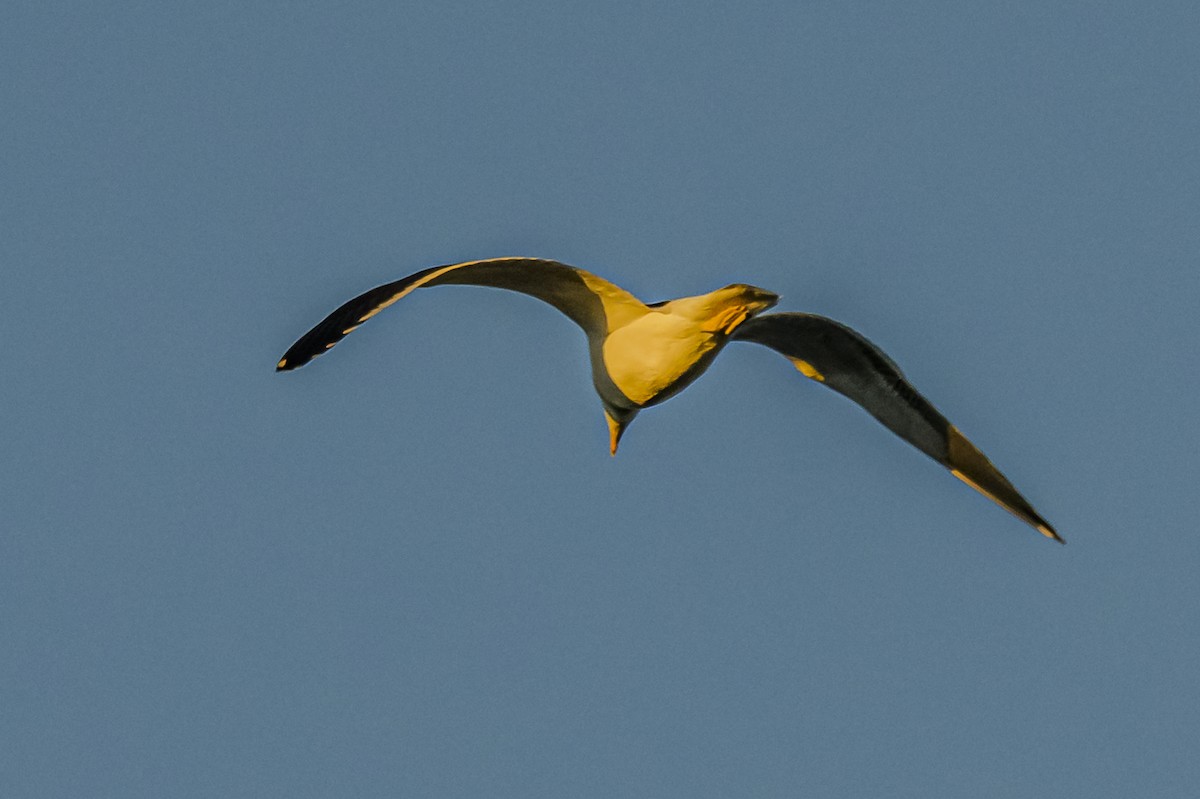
(591,302)
(349,315)
(842,359)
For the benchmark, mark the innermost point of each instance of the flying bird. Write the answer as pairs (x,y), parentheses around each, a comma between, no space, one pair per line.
(644,354)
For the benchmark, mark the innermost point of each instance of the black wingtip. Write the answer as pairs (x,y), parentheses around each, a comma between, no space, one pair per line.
(289,362)
(301,352)
(968,464)
(1051,533)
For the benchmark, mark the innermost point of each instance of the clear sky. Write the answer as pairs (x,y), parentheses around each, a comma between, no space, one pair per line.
(412,568)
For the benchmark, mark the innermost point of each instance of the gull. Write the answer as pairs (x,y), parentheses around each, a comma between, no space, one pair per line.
(642,354)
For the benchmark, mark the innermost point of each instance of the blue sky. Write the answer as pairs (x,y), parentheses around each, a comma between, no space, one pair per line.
(413,569)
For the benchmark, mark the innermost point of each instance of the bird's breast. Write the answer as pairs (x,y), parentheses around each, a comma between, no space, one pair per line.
(657,356)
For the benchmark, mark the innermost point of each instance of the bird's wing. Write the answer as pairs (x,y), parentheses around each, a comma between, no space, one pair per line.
(835,355)
(591,302)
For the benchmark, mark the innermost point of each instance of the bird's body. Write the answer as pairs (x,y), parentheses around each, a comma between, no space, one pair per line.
(642,355)
(657,354)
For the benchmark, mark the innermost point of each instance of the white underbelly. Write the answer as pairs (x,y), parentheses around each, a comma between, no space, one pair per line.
(651,356)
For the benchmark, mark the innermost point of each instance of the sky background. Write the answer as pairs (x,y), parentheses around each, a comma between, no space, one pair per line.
(412,568)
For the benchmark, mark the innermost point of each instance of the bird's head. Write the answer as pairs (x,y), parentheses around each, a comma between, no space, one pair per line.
(752,298)
(723,310)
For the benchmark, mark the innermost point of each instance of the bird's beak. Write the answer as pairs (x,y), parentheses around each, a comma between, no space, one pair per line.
(765,299)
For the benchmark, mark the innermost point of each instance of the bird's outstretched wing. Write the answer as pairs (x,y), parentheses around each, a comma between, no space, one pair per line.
(835,355)
(591,302)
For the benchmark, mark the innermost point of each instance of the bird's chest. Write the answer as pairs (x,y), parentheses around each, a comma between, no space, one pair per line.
(657,356)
